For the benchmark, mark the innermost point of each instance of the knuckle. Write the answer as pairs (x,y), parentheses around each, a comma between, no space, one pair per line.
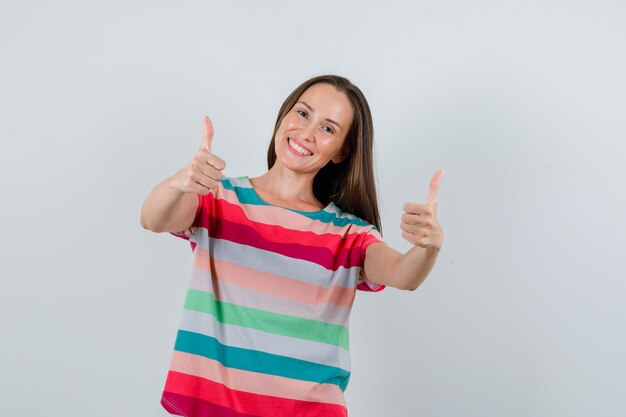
(211,174)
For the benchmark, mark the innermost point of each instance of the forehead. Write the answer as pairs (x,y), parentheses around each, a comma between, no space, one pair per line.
(330,103)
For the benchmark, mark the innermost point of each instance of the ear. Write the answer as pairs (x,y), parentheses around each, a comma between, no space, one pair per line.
(337,158)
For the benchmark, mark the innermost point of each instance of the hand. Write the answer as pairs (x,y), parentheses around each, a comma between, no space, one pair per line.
(419,222)
(202,174)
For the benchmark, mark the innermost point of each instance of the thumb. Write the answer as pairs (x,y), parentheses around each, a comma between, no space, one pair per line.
(433,194)
(207,136)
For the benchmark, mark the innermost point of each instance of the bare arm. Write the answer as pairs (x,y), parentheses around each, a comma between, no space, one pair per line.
(385,265)
(171,205)
(419,225)
(167,208)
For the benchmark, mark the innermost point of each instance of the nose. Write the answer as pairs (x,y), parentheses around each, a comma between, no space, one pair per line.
(307,132)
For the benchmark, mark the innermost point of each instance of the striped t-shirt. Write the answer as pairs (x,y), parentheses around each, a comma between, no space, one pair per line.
(264,330)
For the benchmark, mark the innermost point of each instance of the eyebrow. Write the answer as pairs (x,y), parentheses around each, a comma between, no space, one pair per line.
(328,120)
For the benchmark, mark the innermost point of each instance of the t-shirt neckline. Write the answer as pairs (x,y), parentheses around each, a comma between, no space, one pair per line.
(325,209)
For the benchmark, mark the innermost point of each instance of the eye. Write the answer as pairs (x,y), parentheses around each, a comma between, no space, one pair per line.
(301,113)
(328,129)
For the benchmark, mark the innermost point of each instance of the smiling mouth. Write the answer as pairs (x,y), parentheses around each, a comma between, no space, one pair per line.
(293,145)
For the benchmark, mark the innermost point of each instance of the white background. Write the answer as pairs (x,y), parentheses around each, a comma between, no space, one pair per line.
(523,103)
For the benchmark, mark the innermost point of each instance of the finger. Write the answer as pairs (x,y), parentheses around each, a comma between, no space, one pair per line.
(418,209)
(433,194)
(211,173)
(409,237)
(207,136)
(191,184)
(205,181)
(198,188)
(201,167)
(216,162)
(409,218)
(420,228)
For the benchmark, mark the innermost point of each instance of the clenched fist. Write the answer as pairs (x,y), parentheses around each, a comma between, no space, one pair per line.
(202,174)
(419,222)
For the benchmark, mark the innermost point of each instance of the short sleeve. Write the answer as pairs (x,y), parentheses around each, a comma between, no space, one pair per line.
(190,233)
(363,283)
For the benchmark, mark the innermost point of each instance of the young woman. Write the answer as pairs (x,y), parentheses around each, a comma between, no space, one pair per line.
(278,259)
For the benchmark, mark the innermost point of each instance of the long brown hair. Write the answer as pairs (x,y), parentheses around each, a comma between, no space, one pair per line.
(350,184)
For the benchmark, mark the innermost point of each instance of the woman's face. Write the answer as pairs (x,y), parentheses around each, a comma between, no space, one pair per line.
(314,130)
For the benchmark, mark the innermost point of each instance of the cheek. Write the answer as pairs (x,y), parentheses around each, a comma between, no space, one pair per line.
(280,132)
(276,143)
(285,125)
(279,143)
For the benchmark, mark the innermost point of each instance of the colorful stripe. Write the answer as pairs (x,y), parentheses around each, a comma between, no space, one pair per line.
(264,330)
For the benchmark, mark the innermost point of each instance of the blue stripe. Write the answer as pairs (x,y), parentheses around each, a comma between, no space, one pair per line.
(247,195)
(260,362)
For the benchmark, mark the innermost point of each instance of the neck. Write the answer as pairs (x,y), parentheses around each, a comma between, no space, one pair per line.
(287,185)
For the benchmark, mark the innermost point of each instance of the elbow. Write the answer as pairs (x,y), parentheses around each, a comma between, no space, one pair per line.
(146,224)
(143,222)
(142,218)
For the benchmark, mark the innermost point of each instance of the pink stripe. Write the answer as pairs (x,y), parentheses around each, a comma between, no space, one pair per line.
(273,284)
(256,383)
(234,213)
(272,215)
(245,402)
(330,255)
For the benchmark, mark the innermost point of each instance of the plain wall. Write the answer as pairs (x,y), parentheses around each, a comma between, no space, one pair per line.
(522,103)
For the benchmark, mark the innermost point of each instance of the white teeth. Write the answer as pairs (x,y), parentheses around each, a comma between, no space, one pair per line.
(298,148)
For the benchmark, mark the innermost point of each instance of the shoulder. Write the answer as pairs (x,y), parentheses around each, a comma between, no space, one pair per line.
(351,219)
(227,186)
(236,184)
(232,181)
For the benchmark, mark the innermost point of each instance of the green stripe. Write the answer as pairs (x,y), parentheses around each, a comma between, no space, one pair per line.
(260,362)
(266,321)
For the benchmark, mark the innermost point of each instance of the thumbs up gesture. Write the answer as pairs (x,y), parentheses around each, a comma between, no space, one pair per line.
(419,221)
(202,174)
